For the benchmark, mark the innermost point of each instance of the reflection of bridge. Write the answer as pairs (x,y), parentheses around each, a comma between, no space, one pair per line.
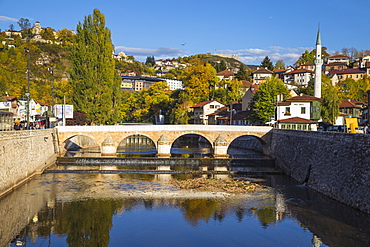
(108,138)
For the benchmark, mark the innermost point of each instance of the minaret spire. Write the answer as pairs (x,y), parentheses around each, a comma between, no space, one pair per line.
(318,66)
(318,39)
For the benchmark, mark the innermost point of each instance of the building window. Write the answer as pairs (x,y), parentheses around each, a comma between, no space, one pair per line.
(303,110)
(212,106)
(287,110)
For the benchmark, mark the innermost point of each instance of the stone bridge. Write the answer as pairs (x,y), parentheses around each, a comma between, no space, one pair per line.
(108,138)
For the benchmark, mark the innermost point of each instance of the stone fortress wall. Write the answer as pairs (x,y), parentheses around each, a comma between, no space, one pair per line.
(335,164)
(24,154)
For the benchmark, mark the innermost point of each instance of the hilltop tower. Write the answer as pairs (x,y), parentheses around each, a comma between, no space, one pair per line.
(318,66)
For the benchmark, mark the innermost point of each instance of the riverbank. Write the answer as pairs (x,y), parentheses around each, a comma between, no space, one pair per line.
(24,154)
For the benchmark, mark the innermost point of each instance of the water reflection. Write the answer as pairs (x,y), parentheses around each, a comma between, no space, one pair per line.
(136,146)
(138,209)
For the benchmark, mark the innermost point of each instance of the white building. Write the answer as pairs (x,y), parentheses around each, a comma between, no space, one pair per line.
(201,110)
(260,75)
(299,112)
(174,84)
(300,77)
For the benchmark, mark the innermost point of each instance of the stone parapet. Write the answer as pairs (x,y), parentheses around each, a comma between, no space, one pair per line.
(24,154)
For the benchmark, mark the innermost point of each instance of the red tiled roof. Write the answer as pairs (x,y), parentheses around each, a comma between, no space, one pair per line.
(220,113)
(298,71)
(338,56)
(254,88)
(10,98)
(349,103)
(40,103)
(348,71)
(303,98)
(262,71)
(280,70)
(247,84)
(226,73)
(296,120)
(201,104)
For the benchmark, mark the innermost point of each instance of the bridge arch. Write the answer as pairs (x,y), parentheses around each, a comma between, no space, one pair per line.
(79,141)
(248,142)
(187,145)
(136,145)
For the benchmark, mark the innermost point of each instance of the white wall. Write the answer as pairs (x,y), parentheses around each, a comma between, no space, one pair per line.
(295,110)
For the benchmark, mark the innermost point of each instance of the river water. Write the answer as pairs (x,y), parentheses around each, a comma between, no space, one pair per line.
(94,209)
(97,208)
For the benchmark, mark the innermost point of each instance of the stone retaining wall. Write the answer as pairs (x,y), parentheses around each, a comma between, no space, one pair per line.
(24,154)
(335,164)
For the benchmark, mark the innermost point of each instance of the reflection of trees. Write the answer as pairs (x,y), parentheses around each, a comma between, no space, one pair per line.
(87,222)
(266,216)
(198,209)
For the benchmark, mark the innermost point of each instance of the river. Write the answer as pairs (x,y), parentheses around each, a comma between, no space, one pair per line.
(94,209)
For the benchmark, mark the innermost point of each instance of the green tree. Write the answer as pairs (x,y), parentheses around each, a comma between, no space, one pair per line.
(24,23)
(330,103)
(150,61)
(243,74)
(280,64)
(354,89)
(263,101)
(48,34)
(198,79)
(221,66)
(311,56)
(25,26)
(266,63)
(65,36)
(95,86)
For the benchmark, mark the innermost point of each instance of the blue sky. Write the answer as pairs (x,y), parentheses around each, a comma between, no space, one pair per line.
(171,28)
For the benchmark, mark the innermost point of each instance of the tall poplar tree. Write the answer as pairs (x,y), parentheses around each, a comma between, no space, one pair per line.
(96,87)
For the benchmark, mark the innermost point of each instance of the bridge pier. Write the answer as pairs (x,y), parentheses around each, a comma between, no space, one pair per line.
(108,147)
(164,147)
(220,148)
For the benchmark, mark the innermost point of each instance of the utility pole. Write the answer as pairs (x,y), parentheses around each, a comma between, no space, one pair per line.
(51,69)
(28,94)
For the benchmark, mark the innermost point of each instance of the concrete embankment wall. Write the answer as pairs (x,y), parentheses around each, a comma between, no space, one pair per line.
(335,164)
(24,154)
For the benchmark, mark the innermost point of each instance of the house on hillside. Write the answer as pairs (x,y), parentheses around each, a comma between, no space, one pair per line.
(349,108)
(226,75)
(308,66)
(362,61)
(299,77)
(300,112)
(341,75)
(260,75)
(219,116)
(338,59)
(279,73)
(203,109)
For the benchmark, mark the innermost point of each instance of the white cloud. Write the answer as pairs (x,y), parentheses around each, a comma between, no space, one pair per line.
(5,18)
(157,52)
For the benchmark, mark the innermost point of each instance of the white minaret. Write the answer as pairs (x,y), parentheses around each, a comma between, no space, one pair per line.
(318,66)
